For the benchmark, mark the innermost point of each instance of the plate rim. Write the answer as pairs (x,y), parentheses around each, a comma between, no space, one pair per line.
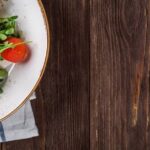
(43,11)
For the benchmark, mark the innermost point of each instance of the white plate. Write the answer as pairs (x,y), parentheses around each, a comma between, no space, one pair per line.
(25,77)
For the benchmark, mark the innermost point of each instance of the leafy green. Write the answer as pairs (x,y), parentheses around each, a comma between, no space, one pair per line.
(3,74)
(1,90)
(3,37)
(7,27)
(3,78)
(10,31)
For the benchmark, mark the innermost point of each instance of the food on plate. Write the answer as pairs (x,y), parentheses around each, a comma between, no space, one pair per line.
(18,52)
(12,47)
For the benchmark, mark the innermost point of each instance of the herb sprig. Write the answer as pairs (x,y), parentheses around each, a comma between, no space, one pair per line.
(7,27)
(6,45)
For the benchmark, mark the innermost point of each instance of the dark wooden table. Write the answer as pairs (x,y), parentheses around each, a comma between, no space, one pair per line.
(95,92)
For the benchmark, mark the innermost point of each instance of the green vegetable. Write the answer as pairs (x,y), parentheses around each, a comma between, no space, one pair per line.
(3,74)
(1,90)
(2,82)
(10,31)
(3,37)
(3,78)
(7,27)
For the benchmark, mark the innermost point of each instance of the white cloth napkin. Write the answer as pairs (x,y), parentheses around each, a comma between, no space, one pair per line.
(19,126)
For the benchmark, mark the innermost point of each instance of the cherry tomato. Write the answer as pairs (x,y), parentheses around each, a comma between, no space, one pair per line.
(17,54)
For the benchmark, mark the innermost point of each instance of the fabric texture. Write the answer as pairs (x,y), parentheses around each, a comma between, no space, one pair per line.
(19,126)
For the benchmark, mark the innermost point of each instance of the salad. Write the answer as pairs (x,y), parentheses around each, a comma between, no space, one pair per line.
(12,47)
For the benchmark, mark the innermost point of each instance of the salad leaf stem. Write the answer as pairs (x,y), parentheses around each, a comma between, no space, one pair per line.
(7,45)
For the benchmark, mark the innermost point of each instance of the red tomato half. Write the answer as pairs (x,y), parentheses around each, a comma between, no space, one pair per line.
(17,54)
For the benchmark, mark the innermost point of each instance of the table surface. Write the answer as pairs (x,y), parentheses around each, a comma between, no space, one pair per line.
(95,92)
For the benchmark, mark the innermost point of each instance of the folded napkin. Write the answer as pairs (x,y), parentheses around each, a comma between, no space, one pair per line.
(19,126)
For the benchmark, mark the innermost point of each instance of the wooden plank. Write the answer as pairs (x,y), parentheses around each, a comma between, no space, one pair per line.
(119,74)
(67,98)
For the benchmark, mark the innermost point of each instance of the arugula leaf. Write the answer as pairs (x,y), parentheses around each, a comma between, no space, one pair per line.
(7,27)
(3,37)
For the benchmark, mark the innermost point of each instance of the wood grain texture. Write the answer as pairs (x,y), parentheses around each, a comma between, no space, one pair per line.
(67,98)
(119,74)
(95,92)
